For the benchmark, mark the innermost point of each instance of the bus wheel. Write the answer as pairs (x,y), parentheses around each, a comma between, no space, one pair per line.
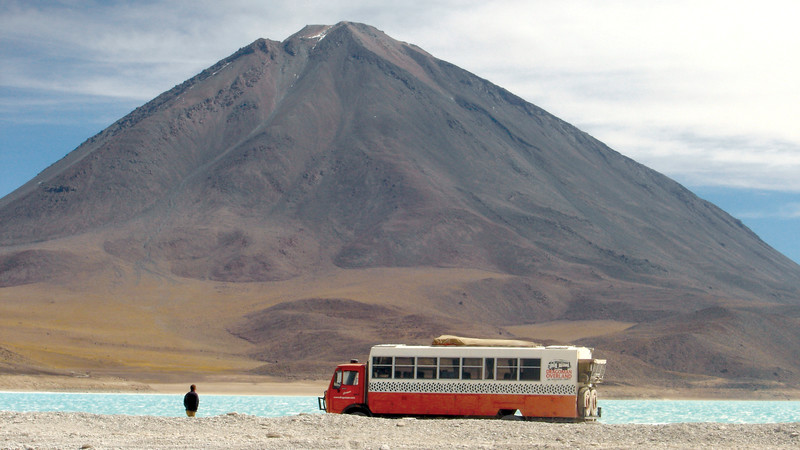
(511,417)
(359,412)
(508,414)
(584,402)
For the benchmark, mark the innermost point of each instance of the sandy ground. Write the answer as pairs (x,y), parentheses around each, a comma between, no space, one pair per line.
(318,431)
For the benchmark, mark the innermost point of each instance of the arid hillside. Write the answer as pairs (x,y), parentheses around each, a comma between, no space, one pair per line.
(301,200)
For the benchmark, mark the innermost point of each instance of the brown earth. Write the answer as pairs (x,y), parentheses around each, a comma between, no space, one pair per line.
(101,343)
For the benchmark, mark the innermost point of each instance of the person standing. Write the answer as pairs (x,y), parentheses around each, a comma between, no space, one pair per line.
(191,401)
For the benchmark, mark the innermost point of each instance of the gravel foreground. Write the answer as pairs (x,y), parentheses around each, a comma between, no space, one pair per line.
(315,431)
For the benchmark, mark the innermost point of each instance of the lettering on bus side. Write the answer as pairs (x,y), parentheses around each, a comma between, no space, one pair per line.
(559,369)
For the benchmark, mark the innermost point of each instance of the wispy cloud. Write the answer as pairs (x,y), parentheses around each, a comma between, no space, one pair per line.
(742,161)
(786,211)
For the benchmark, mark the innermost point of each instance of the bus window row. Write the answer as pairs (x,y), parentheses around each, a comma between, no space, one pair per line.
(432,368)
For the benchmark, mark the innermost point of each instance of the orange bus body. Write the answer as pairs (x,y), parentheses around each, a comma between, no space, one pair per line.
(472,405)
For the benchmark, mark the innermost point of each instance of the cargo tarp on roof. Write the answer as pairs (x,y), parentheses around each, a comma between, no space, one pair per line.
(476,342)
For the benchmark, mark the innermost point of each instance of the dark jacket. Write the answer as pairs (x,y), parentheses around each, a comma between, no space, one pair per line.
(191,401)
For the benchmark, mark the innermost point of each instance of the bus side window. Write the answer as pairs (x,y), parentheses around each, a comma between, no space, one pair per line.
(531,369)
(404,367)
(507,369)
(381,367)
(426,368)
(449,368)
(471,368)
(488,373)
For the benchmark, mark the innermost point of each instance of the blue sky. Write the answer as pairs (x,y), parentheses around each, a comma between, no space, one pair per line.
(704,92)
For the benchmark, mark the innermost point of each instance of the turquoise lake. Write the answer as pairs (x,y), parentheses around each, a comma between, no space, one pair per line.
(614,411)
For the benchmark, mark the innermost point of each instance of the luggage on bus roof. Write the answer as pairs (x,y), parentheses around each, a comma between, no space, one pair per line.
(447,339)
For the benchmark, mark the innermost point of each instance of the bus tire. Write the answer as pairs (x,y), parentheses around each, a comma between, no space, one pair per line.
(584,402)
(594,403)
(508,414)
(357,411)
(511,417)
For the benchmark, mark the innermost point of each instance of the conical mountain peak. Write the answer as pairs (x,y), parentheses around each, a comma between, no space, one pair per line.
(317,32)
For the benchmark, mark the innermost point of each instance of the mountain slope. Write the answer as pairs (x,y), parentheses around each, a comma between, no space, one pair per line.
(341,149)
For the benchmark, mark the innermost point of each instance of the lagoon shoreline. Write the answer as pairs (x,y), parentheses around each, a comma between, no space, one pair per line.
(228,385)
(323,431)
(261,385)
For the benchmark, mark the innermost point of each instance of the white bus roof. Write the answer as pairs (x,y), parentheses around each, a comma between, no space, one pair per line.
(475,351)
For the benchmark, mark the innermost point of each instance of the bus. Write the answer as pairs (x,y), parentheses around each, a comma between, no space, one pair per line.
(465,377)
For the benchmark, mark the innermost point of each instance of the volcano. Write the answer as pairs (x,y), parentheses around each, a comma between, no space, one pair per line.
(299,201)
